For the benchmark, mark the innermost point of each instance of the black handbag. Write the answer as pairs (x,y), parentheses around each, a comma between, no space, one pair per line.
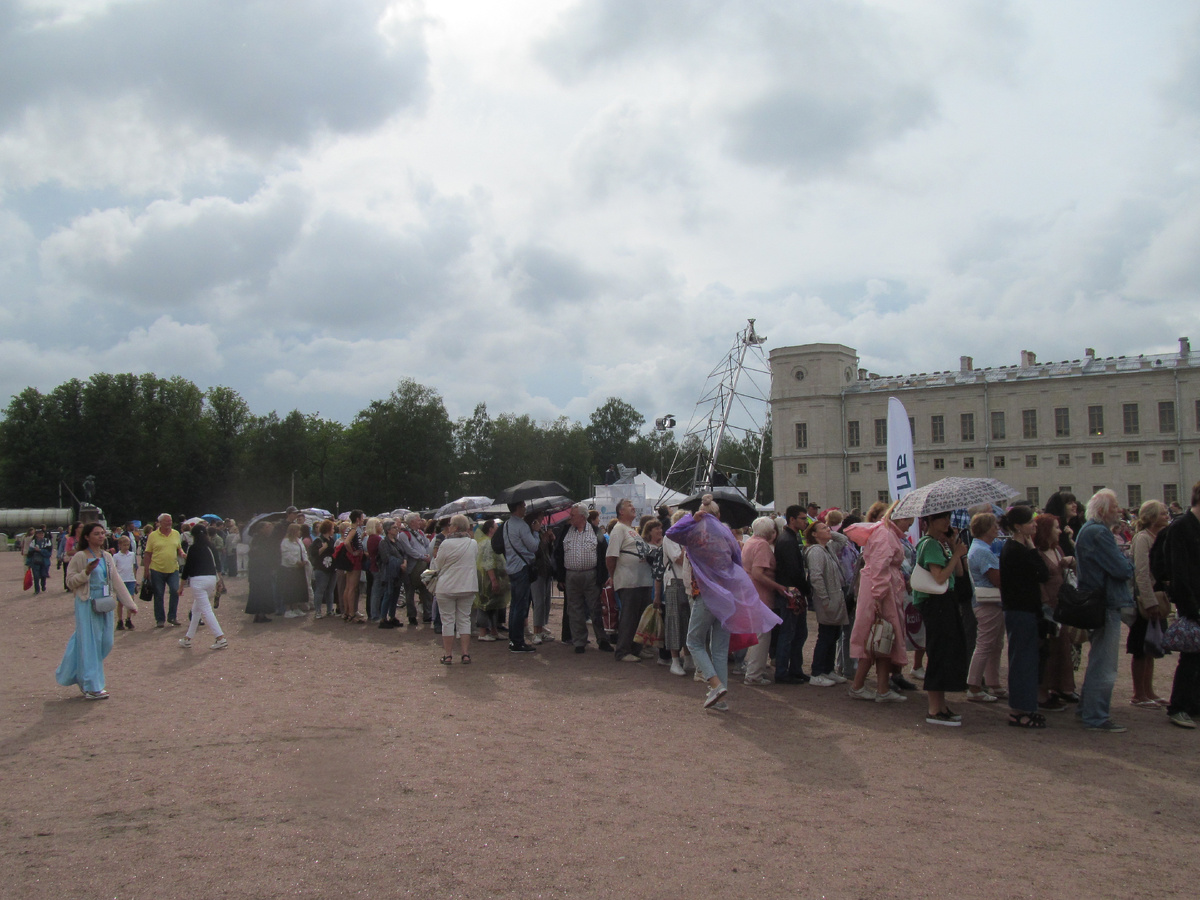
(1081,610)
(146,594)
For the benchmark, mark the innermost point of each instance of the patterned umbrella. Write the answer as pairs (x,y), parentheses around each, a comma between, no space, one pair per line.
(463,505)
(947,494)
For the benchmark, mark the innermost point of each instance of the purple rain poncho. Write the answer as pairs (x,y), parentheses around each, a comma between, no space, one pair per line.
(726,587)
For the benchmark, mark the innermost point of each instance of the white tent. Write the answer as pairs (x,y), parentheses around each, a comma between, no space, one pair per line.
(653,491)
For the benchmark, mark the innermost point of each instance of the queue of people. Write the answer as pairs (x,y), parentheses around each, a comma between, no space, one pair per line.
(716,598)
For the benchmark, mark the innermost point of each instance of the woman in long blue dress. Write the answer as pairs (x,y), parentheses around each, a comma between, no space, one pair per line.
(91,573)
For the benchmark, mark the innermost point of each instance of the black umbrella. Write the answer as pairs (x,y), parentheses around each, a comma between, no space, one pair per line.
(532,490)
(736,510)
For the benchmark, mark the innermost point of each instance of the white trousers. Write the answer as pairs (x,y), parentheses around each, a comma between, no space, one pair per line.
(203,587)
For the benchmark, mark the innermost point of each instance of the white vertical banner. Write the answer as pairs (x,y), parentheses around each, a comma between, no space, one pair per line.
(901,468)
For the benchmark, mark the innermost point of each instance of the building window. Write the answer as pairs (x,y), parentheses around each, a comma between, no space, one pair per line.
(1166,417)
(1132,457)
(1098,458)
(1135,496)
(1170,494)
(854,467)
(881,466)
(1065,489)
(1168,456)
(856,499)
(1097,487)
(883,497)
(937,429)
(1029,423)
(853,437)
(1031,460)
(1062,422)
(1095,420)
(881,432)
(966,426)
(801,435)
(802,499)
(939,463)
(801,468)
(998,462)
(1064,459)
(1129,418)
(968,462)
(998,426)
(1034,496)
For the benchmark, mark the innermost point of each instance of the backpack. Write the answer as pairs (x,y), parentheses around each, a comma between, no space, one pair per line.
(1160,557)
(498,539)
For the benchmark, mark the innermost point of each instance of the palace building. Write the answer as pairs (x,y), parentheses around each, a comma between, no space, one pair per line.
(1130,423)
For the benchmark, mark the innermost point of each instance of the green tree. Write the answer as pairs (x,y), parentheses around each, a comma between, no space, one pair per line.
(610,430)
(474,450)
(30,463)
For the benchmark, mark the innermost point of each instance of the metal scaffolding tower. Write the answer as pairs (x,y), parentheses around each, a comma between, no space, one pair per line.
(735,405)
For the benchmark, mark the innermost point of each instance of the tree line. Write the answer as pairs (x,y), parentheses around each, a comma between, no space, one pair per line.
(157,445)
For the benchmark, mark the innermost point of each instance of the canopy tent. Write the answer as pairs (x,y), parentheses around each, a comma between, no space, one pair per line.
(654,491)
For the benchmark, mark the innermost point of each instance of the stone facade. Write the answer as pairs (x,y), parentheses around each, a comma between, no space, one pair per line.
(1128,423)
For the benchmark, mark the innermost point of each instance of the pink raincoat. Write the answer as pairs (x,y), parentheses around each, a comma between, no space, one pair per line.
(881,586)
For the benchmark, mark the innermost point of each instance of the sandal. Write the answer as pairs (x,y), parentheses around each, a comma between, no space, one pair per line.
(1145,704)
(447,660)
(466,659)
(1027,720)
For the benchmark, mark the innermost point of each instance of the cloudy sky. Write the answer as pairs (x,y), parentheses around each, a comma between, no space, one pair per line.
(542,203)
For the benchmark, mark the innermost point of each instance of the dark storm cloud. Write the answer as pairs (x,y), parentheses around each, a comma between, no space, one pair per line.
(260,74)
(542,278)
(807,133)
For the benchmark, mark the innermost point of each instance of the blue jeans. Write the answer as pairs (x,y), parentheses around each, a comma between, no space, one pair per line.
(789,647)
(1022,628)
(518,610)
(1096,696)
(324,584)
(706,634)
(41,570)
(391,597)
(375,598)
(158,582)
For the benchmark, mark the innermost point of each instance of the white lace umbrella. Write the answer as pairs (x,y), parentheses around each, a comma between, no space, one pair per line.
(463,505)
(947,494)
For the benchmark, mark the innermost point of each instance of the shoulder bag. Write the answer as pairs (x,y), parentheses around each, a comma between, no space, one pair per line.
(1080,609)
(922,579)
(881,638)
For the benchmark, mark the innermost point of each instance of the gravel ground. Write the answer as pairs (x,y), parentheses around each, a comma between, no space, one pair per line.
(320,759)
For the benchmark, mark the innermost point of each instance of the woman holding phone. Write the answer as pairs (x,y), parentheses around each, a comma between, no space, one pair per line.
(92,575)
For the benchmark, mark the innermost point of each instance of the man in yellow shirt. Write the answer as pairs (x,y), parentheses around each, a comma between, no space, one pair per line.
(160,562)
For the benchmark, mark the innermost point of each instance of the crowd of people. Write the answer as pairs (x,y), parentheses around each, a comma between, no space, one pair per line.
(685,590)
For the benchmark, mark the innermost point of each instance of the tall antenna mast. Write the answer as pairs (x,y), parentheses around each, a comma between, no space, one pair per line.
(736,400)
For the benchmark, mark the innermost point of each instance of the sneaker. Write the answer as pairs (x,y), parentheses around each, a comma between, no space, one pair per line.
(821,681)
(318,615)
(696,676)
(759,680)
(721,706)
(980,697)
(630,657)
(185,642)
(862,693)
(159,624)
(129,625)
(95,695)
(120,625)
(537,638)
(713,695)
(1109,727)
(1182,719)
(489,637)
(943,718)
(890,697)
(523,648)
(292,614)
(219,644)
(836,678)
(677,667)
(918,673)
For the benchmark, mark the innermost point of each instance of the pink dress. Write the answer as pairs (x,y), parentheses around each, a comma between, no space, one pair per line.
(880,588)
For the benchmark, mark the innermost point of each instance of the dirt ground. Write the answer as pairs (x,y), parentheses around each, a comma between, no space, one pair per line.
(320,759)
